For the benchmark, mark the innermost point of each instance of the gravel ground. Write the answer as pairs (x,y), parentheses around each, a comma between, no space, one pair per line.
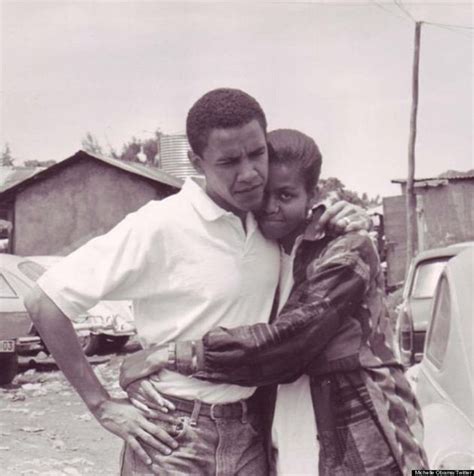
(45,429)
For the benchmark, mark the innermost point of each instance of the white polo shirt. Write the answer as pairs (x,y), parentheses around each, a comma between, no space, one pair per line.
(188,265)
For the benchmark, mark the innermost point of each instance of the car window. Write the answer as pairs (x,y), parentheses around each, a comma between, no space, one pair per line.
(31,269)
(426,278)
(439,332)
(6,291)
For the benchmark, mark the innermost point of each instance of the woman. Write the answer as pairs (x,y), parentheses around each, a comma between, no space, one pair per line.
(332,336)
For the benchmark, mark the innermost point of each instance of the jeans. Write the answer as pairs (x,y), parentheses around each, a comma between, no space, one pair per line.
(208,445)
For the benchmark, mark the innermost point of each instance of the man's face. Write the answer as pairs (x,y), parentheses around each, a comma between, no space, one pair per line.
(235,164)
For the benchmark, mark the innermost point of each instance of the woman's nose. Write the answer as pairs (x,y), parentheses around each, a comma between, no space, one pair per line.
(270,205)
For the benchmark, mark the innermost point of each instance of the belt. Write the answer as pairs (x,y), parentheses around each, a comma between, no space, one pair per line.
(216,410)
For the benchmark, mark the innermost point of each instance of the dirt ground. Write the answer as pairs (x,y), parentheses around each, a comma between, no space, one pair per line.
(45,429)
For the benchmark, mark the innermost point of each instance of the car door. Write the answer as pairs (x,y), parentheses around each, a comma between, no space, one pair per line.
(14,320)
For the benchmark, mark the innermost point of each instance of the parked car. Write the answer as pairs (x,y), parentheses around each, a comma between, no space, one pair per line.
(109,323)
(445,377)
(106,327)
(15,322)
(414,312)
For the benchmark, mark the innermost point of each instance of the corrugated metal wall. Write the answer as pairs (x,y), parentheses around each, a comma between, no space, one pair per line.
(445,215)
(174,155)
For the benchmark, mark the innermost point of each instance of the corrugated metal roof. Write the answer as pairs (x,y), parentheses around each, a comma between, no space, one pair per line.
(154,174)
(453,177)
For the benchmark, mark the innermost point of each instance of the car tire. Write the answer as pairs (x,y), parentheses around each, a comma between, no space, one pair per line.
(112,344)
(8,367)
(90,343)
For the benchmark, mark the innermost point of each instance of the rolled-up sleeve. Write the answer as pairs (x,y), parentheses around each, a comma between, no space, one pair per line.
(114,266)
(263,354)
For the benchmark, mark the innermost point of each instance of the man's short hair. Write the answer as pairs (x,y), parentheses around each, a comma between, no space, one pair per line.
(222,108)
(288,146)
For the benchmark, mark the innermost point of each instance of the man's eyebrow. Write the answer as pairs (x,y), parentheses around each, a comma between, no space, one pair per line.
(223,158)
(260,148)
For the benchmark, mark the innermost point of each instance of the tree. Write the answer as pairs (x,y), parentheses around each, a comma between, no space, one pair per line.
(130,150)
(6,158)
(39,163)
(91,144)
(150,149)
(135,150)
(333,184)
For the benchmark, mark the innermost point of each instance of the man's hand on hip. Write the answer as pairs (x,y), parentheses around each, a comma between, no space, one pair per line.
(126,421)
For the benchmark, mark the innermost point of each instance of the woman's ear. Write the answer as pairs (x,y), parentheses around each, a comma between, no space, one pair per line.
(313,198)
(195,161)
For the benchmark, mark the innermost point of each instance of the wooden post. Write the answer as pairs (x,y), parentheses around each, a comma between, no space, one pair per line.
(410,189)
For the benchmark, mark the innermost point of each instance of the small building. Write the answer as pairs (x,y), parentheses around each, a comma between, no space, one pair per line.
(9,177)
(445,215)
(60,208)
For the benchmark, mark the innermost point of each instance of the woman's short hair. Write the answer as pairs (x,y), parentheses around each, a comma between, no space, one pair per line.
(222,108)
(288,146)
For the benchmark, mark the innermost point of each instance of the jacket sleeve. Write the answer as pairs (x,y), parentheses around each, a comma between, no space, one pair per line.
(263,354)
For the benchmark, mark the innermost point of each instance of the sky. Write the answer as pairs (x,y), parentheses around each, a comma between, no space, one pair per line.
(338,71)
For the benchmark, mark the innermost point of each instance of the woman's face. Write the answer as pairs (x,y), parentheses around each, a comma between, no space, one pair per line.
(286,203)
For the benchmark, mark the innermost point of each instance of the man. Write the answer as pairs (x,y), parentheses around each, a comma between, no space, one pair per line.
(190,262)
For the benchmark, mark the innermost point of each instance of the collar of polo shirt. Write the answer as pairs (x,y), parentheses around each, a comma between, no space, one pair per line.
(203,204)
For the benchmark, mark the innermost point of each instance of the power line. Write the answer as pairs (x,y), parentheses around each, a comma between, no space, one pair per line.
(387,10)
(408,16)
(403,9)
(459,32)
(450,25)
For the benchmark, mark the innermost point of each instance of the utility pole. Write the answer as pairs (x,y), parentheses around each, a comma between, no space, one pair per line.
(412,234)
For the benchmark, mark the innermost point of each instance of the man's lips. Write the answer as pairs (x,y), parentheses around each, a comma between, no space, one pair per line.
(270,219)
(250,189)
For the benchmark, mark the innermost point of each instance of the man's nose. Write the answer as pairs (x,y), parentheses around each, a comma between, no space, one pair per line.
(248,170)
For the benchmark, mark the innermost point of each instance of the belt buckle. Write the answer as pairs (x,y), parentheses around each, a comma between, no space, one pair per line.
(212,415)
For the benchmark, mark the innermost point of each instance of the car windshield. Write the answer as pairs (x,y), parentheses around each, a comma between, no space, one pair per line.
(426,277)
(31,270)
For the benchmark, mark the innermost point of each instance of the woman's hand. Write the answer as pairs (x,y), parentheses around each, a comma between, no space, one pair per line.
(141,364)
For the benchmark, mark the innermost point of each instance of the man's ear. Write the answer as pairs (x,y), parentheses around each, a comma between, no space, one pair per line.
(195,161)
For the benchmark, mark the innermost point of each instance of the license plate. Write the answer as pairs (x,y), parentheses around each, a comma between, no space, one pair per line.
(7,346)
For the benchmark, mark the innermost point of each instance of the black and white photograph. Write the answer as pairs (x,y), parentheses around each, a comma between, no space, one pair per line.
(236,238)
